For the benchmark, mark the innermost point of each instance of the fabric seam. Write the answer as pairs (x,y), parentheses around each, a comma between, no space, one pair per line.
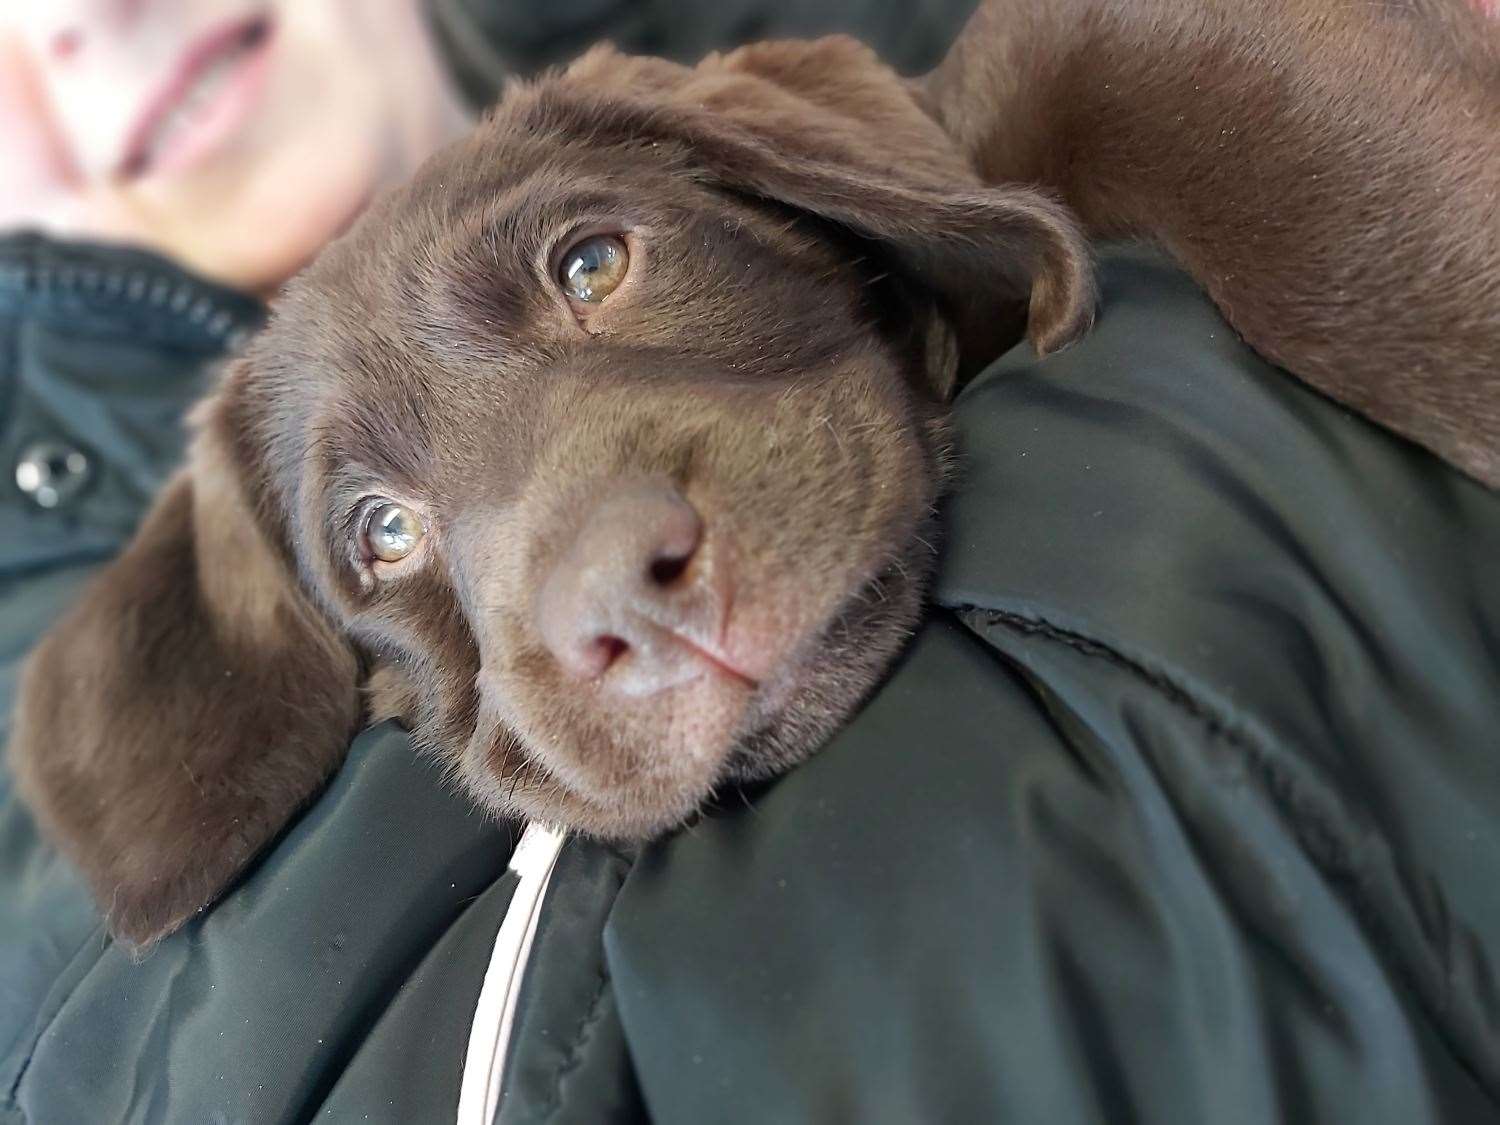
(30,268)
(580,1036)
(1320,843)
(45,1025)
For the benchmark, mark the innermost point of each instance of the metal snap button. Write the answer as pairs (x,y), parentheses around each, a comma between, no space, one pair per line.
(51,473)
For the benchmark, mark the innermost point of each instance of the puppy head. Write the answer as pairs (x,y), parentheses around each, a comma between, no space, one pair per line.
(613,439)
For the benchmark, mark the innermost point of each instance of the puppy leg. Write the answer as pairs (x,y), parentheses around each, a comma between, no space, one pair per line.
(1328,173)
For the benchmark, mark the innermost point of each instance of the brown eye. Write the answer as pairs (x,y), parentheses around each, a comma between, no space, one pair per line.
(393,532)
(593,269)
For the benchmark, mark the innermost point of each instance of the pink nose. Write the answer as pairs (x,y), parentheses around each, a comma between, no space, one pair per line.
(635,594)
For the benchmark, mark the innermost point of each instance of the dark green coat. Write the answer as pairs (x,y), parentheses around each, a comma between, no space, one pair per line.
(1183,806)
(484,41)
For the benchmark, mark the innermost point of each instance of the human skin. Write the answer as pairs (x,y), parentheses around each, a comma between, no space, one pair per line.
(234,136)
(352,99)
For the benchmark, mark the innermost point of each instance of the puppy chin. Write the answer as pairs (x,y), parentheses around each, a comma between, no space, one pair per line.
(605,764)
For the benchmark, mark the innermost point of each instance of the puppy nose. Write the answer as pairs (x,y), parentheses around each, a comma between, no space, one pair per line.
(629,589)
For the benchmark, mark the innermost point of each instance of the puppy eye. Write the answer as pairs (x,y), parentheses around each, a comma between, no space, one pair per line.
(393,532)
(593,269)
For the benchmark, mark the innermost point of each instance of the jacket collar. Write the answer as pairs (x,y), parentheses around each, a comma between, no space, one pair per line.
(102,350)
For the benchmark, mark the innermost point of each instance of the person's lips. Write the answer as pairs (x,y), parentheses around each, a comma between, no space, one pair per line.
(202,103)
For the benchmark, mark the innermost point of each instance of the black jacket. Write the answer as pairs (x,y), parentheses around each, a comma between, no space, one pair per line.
(1183,805)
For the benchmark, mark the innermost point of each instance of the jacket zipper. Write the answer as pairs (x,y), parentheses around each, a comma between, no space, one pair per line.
(139,287)
(494,1016)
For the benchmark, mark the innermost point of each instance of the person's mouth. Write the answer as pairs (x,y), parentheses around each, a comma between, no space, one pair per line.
(202,103)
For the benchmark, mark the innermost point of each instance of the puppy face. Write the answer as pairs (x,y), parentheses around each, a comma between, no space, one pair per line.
(608,448)
(656,527)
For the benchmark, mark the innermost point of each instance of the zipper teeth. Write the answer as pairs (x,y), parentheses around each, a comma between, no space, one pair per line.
(135,286)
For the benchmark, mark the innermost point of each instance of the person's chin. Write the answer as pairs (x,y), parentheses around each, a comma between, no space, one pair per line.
(256,235)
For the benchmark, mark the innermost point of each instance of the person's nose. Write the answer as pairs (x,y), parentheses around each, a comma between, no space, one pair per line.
(63,31)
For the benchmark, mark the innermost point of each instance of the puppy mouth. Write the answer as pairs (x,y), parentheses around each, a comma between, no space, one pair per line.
(717,663)
(628,765)
(650,660)
(635,768)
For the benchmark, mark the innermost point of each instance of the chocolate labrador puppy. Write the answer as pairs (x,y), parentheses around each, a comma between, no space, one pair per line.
(605,453)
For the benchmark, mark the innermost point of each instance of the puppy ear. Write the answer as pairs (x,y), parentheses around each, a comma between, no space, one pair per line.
(981,251)
(827,129)
(171,724)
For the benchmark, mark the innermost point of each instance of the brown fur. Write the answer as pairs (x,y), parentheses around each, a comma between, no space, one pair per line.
(186,707)
(781,351)
(1329,172)
(811,255)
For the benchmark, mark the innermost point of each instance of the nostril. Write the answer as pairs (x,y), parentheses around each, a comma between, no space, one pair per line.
(608,650)
(673,539)
(589,658)
(669,568)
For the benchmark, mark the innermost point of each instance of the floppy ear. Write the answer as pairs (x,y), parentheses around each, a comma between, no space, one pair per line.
(171,724)
(983,252)
(826,128)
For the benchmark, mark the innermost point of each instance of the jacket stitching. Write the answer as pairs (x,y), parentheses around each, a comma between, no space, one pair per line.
(574,1056)
(1326,846)
(44,1025)
(1036,626)
(29,271)
(1320,840)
